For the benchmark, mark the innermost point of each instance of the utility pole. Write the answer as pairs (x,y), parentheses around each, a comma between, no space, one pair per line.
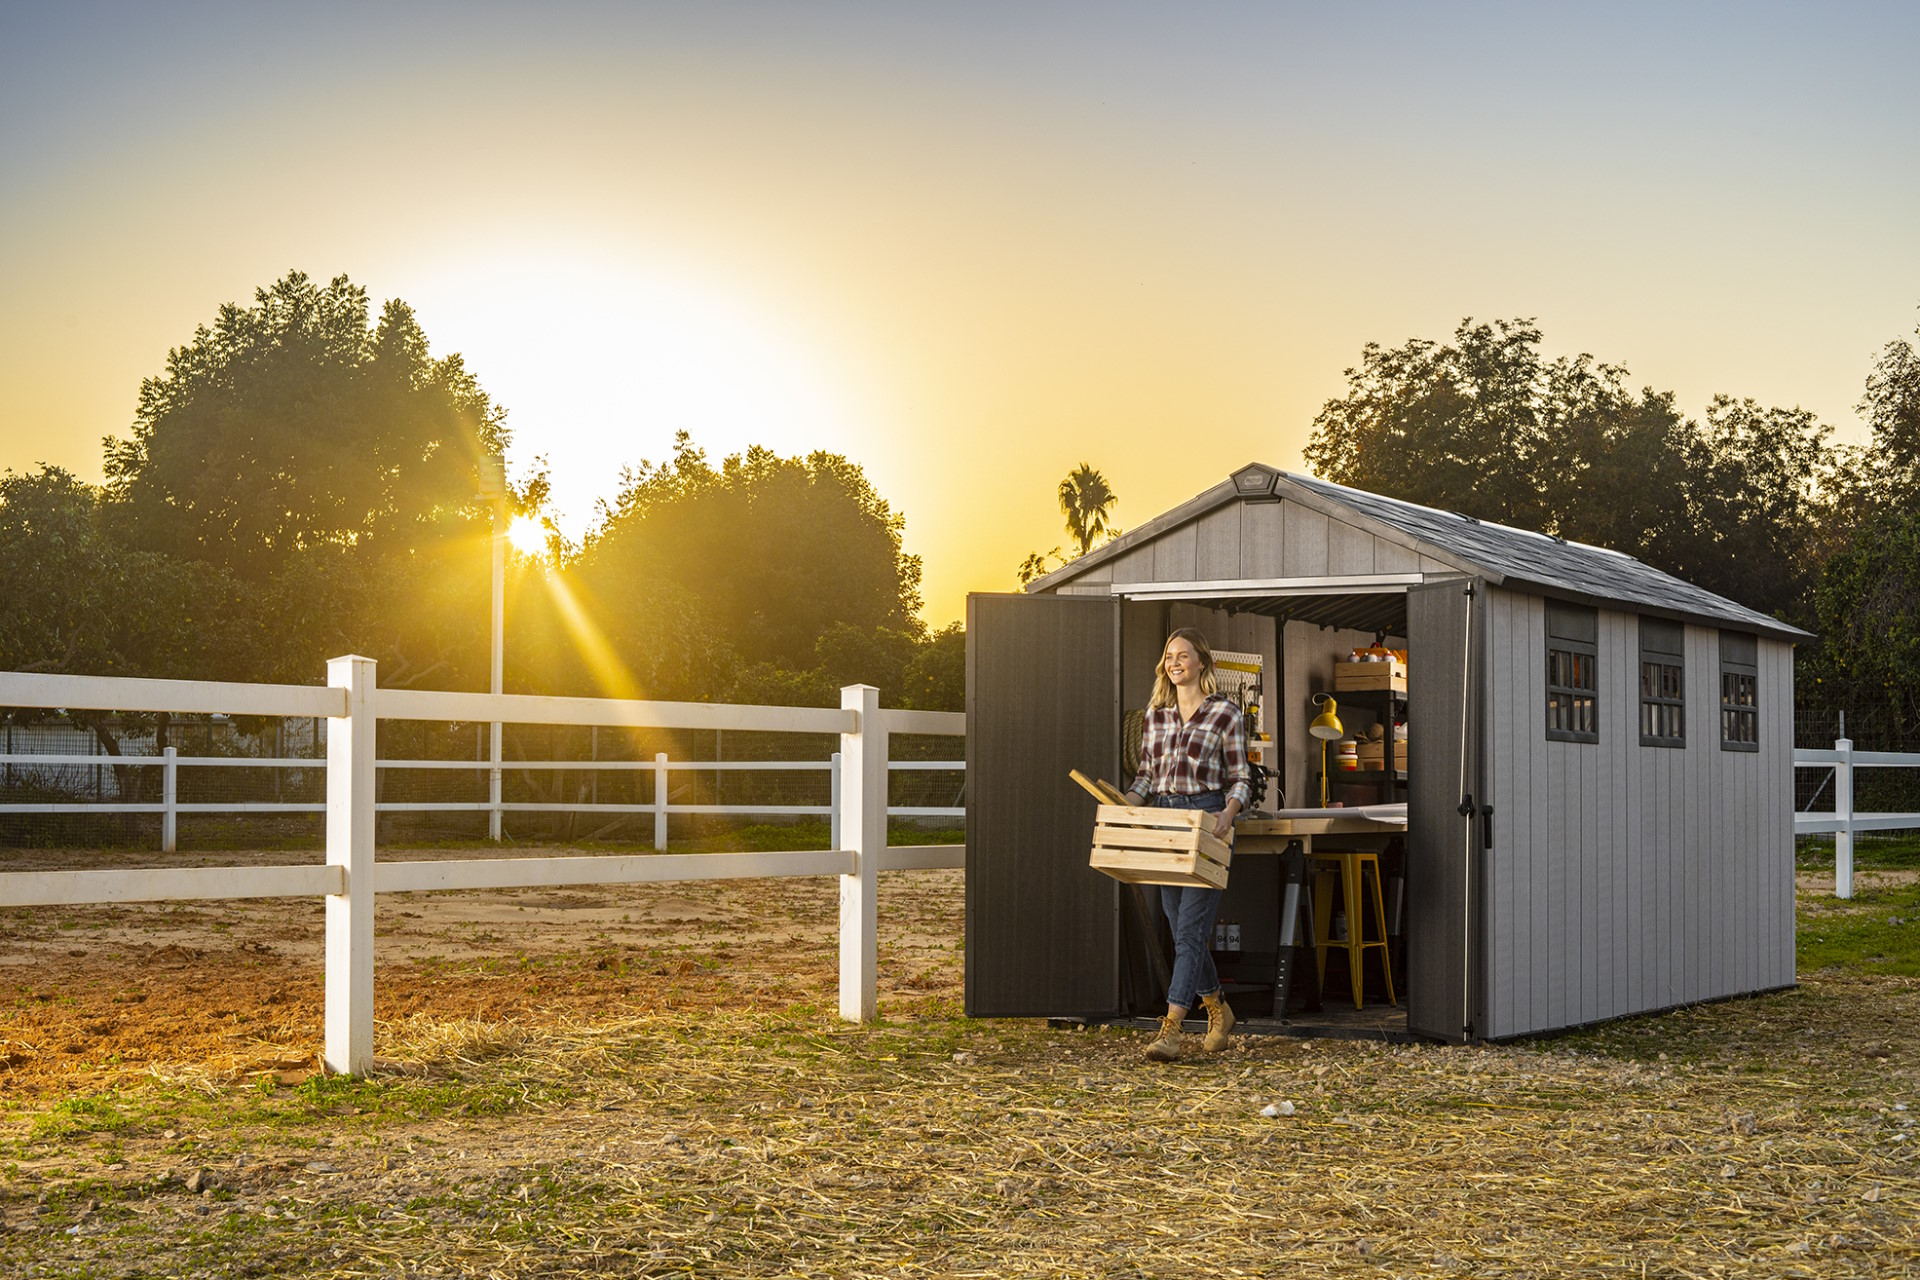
(493,486)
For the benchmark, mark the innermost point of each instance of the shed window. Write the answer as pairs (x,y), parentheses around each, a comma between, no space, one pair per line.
(1739,692)
(1572,658)
(1663,684)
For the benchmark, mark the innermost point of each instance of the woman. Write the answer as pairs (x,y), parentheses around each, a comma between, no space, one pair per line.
(1193,755)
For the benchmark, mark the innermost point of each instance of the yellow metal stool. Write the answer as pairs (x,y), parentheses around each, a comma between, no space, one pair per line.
(1352,867)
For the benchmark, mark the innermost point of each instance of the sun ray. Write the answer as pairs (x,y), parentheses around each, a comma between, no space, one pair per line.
(603,665)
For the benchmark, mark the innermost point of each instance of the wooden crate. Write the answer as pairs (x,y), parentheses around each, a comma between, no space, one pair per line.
(1159,846)
(1361,676)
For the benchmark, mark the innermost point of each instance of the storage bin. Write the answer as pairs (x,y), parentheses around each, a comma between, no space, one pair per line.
(1361,676)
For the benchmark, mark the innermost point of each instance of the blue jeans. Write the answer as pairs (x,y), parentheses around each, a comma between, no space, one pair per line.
(1190,912)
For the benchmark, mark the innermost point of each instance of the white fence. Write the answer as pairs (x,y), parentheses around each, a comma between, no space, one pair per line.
(169,806)
(351,876)
(1843,821)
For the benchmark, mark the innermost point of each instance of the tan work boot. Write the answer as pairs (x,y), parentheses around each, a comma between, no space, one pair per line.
(1220,1020)
(1166,1045)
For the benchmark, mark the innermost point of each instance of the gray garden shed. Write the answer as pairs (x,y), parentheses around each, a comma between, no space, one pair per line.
(1598,761)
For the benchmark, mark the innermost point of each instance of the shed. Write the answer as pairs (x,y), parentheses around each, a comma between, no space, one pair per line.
(1598,763)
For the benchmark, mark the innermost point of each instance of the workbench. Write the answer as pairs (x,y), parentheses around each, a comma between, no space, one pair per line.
(1289,834)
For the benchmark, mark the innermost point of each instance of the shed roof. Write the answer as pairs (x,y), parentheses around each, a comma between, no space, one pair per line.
(1514,558)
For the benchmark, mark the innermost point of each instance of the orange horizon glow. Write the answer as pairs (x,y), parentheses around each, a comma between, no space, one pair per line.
(966,247)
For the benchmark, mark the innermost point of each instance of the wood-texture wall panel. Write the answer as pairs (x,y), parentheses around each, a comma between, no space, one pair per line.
(1263,539)
(1305,553)
(1175,553)
(1505,798)
(1390,557)
(1627,878)
(1349,550)
(1218,553)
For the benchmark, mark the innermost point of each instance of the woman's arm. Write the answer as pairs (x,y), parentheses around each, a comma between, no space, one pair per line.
(1143,780)
(1239,773)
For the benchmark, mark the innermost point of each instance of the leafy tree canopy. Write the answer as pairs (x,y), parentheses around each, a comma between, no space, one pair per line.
(1486,426)
(297,424)
(773,552)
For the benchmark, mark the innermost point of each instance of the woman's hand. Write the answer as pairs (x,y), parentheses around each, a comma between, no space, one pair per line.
(1133,801)
(1223,821)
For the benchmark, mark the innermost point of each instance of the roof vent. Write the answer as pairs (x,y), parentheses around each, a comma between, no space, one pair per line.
(1253,482)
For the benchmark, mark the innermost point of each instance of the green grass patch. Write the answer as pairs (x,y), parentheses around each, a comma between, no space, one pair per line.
(1876,932)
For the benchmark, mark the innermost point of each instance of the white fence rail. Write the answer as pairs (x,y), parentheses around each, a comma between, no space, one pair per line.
(169,806)
(351,875)
(1843,822)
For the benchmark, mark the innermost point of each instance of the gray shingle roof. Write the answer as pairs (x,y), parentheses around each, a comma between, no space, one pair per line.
(1504,555)
(1521,558)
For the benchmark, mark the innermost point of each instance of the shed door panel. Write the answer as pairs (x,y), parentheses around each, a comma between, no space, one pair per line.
(1043,697)
(1441,702)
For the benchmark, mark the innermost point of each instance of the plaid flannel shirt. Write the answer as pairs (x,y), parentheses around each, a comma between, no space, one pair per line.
(1206,753)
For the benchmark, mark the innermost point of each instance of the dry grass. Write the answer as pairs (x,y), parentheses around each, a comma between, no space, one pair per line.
(1757,1137)
(718,1136)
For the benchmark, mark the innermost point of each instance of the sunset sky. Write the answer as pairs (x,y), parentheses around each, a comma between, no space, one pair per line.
(969,245)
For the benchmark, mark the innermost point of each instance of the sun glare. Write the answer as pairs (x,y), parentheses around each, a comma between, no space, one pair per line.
(599,361)
(528,536)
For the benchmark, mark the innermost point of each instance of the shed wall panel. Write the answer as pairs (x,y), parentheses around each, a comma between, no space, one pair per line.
(1775,963)
(1263,539)
(1504,796)
(1305,553)
(1627,878)
(1540,850)
(1174,554)
(1134,565)
(1391,557)
(1349,550)
(1218,553)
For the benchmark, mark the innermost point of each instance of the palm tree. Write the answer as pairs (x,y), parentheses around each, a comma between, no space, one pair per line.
(1087,502)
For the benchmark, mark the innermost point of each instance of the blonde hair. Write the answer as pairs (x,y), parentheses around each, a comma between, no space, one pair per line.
(1163,694)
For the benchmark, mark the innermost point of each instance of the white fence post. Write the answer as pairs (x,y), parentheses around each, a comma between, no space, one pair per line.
(863,830)
(660,801)
(833,802)
(1843,813)
(350,772)
(169,796)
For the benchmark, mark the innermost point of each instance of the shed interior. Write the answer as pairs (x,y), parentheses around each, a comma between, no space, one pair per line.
(1299,638)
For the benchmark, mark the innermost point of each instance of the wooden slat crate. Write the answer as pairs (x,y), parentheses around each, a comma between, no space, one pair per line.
(1370,675)
(1159,846)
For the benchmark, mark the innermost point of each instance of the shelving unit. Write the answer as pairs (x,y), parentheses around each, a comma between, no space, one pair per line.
(1386,706)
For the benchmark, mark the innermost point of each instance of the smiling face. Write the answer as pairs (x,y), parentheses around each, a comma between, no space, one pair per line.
(1181,663)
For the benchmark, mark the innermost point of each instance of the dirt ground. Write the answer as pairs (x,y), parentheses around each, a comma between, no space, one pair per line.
(90,996)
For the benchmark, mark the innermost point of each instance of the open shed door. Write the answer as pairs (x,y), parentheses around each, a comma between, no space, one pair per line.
(1043,697)
(1443,713)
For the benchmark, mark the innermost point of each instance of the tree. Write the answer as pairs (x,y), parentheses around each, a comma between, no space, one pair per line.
(1035,565)
(296,424)
(769,554)
(1891,407)
(1869,617)
(78,604)
(1487,427)
(1087,501)
(329,463)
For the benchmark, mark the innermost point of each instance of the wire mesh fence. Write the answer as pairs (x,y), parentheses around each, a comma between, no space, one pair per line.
(1875,790)
(98,782)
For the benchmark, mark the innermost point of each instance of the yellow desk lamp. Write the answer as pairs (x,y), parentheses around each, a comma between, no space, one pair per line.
(1327,727)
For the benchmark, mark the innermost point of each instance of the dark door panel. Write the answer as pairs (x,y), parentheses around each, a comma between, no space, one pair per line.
(1442,714)
(1043,697)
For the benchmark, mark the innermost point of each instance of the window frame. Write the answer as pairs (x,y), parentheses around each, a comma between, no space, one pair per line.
(1663,645)
(1573,630)
(1739,661)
